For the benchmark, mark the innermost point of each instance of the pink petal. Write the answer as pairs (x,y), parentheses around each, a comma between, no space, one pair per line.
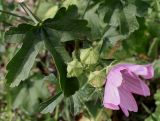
(115,78)
(146,71)
(134,84)
(111,95)
(111,106)
(150,72)
(127,100)
(125,111)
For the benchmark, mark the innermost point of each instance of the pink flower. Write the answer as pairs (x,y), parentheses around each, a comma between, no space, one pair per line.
(122,81)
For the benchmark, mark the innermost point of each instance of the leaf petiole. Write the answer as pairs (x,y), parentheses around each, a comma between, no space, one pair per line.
(29,12)
(13,14)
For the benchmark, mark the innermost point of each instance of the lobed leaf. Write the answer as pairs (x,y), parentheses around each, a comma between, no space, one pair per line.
(155,116)
(68,85)
(21,64)
(156,65)
(67,21)
(17,34)
(49,105)
(123,14)
(130,14)
(29,93)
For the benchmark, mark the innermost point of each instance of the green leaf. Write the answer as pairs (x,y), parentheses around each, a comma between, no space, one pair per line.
(52,78)
(80,97)
(104,114)
(68,85)
(130,14)
(74,68)
(153,27)
(77,104)
(20,98)
(68,36)
(123,14)
(112,36)
(1,7)
(89,56)
(88,93)
(156,65)
(97,78)
(136,43)
(17,34)
(155,116)
(29,93)
(55,38)
(47,9)
(21,64)
(68,21)
(124,27)
(108,7)
(49,105)
(114,21)
(81,4)
(142,7)
(125,18)
(95,22)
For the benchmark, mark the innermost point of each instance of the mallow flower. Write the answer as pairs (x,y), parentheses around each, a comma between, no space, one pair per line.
(122,81)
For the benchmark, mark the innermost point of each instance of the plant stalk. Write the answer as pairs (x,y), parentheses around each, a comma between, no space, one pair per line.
(13,14)
(29,12)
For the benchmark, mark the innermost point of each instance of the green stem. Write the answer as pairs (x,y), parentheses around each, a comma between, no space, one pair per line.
(13,14)
(29,12)
(48,117)
(148,111)
(56,113)
(67,115)
(99,115)
(86,108)
(76,47)
(77,41)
